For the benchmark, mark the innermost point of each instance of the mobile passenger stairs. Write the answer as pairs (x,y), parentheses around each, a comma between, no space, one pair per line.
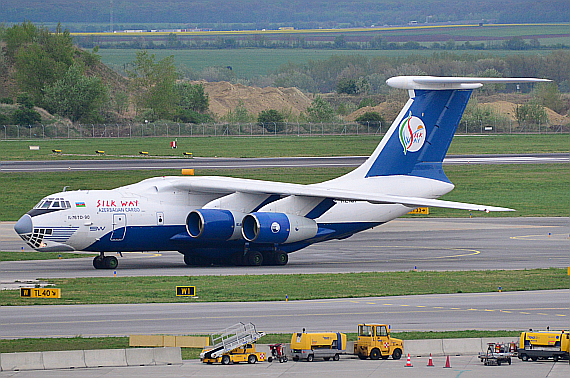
(231,338)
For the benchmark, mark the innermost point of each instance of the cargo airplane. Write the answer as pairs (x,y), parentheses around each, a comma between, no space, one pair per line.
(222,220)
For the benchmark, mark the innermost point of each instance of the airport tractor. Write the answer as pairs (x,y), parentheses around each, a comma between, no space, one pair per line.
(325,345)
(374,341)
(233,345)
(544,345)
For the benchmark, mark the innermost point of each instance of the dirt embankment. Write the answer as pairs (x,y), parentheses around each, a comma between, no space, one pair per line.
(508,109)
(225,96)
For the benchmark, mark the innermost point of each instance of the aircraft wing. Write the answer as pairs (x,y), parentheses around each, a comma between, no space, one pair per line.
(231,185)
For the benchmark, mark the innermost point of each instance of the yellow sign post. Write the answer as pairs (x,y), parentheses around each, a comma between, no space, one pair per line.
(42,292)
(185,291)
(420,210)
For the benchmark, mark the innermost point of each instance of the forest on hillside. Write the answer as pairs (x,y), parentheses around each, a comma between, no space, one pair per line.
(258,14)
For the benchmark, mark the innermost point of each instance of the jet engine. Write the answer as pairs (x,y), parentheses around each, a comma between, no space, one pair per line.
(277,228)
(214,224)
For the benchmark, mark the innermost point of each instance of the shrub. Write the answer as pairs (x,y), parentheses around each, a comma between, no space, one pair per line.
(373,118)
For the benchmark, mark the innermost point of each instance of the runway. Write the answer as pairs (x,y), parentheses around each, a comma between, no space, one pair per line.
(226,163)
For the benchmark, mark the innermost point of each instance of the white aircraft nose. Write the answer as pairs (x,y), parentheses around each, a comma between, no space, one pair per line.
(24,225)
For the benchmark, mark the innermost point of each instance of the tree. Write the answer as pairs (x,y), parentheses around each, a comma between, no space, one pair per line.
(534,113)
(26,116)
(320,111)
(239,115)
(371,118)
(271,120)
(41,57)
(153,83)
(76,96)
(192,97)
(547,94)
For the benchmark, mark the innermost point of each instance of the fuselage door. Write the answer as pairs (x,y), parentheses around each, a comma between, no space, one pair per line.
(160,219)
(119,227)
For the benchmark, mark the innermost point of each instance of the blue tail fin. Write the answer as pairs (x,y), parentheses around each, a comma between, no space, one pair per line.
(420,137)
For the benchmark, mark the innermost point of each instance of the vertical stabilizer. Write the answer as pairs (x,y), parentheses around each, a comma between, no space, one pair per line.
(419,138)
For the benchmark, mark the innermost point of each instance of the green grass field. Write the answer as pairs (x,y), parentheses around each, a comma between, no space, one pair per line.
(269,146)
(252,288)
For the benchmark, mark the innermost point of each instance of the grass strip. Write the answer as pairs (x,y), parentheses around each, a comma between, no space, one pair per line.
(24,256)
(252,288)
(278,146)
(531,189)
(90,343)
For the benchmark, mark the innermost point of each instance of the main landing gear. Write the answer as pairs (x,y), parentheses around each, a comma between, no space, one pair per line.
(249,258)
(256,258)
(105,262)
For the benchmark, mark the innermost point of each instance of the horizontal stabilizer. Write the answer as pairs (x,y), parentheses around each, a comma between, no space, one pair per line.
(441,83)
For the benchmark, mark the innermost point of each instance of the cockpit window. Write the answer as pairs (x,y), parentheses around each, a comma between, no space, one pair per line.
(46,204)
(55,205)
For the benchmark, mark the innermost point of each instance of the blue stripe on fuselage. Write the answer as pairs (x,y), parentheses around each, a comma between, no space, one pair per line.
(176,238)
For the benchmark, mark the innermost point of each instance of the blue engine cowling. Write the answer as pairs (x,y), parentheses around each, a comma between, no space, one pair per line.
(214,224)
(277,228)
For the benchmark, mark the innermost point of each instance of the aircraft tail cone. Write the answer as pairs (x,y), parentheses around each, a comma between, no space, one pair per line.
(430,362)
(447,365)
(409,363)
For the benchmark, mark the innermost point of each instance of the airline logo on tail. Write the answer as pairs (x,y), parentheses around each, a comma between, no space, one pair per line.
(412,134)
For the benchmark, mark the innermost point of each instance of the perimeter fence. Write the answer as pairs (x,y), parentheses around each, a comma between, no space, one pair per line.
(162,129)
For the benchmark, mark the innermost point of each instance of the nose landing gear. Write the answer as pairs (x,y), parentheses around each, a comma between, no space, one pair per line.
(105,262)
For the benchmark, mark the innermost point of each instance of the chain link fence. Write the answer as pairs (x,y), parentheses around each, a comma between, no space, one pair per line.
(159,129)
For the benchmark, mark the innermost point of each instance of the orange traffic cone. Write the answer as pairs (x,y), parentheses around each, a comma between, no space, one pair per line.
(447,365)
(430,362)
(409,363)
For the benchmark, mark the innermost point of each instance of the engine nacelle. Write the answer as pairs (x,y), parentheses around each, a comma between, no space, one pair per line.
(214,224)
(277,228)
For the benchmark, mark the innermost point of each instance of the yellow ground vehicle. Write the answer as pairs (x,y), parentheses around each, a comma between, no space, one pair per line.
(324,345)
(374,341)
(234,344)
(245,353)
(544,345)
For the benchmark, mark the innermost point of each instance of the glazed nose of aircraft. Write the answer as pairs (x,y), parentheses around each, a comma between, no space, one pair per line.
(24,225)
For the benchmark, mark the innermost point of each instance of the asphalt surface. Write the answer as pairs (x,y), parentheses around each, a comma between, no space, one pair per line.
(437,312)
(464,367)
(147,163)
(402,244)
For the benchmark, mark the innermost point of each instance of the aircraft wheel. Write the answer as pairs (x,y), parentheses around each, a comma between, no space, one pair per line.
(281,258)
(189,260)
(110,262)
(98,262)
(255,258)
(202,261)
